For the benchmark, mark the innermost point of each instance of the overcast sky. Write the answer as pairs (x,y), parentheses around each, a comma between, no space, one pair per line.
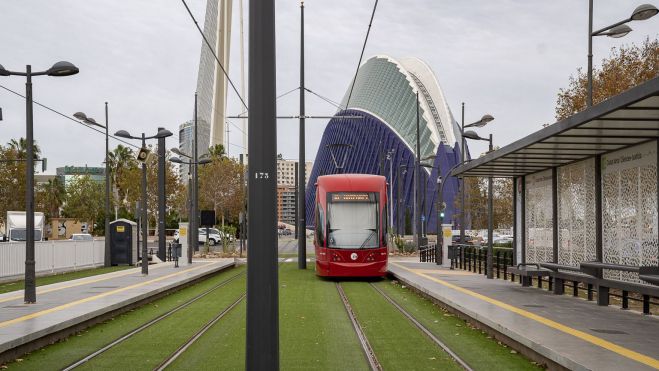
(507,58)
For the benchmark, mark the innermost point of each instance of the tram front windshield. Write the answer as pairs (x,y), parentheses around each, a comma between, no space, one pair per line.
(352,220)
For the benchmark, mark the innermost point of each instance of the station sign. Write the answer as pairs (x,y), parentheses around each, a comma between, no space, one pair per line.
(351,197)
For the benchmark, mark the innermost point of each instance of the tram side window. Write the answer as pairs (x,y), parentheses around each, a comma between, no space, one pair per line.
(320,222)
(385,224)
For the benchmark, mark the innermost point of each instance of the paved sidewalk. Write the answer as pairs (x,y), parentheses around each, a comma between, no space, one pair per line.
(572,332)
(66,304)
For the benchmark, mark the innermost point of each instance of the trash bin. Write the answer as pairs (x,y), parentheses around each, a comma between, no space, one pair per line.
(123,242)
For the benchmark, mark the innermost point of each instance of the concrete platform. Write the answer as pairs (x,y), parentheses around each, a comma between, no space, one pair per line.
(572,332)
(65,306)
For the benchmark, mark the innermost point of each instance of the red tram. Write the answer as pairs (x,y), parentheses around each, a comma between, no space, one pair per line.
(351,225)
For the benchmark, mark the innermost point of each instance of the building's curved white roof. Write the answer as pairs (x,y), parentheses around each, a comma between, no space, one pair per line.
(388,88)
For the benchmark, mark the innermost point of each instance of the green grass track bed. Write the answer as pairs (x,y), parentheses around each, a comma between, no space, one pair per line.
(397,343)
(476,348)
(160,338)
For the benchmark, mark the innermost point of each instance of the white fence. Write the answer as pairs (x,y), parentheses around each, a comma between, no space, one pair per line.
(51,256)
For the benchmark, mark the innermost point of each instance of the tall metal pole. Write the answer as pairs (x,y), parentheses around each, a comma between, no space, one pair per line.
(241,220)
(302,182)
(107,255)
(161,197)
(589,102)
(145,222)
(463,155)
(391,192)
(262,338)
(296,206)
(490,222)
(417,181)
(400,214)
(190,212)
(440,220)
(194,217)
(30,294)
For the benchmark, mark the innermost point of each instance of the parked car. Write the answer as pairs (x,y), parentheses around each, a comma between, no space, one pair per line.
(214,236)
(82,237)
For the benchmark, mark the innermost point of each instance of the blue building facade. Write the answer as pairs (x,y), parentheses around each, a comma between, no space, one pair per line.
(382,140)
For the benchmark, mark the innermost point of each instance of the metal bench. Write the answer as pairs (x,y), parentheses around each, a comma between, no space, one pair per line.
(526,273)
(573,274)
(603,285)
(649,274)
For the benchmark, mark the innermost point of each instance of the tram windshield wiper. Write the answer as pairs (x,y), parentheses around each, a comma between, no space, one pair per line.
(370,235)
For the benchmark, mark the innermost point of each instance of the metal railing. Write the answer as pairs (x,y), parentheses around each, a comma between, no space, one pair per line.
(474,259)
(427,253)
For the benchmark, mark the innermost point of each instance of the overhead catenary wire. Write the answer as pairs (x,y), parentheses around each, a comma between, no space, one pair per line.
(240,115)
(68,117)
(362,53)
(335,104)
(214,55)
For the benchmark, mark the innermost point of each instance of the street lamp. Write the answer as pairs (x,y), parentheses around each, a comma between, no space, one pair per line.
(472,135)
(402,170)
(193,195)
(478,124)
(91,122)
(57,70)
(616,30)
(161,134)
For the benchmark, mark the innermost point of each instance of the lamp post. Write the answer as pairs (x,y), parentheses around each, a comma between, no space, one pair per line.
(91,122)
(57,70)
(490,222)
(192,195)
(478,124)
(616,30)
(402,170)
(161,134)
(417,182)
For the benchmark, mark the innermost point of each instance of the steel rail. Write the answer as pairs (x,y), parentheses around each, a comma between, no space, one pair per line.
(366,346)
(423,328)
(172,357)
(150,323)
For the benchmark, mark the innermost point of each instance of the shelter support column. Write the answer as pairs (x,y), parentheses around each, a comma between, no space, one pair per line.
(515,225)
(554,213)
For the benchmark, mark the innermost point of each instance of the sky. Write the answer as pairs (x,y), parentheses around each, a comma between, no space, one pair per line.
(508,58)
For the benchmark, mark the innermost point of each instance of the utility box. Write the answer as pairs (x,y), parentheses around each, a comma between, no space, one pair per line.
(123,242)
(183,231)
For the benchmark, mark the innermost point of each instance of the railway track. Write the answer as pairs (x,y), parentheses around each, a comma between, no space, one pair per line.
(423,328)
(151,323)
(172,357)
(366,346)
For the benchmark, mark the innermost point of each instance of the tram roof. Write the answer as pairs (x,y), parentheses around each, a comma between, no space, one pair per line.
(624,120)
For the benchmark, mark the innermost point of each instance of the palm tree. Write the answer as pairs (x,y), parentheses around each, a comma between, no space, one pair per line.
(217,151)
(20,147)
(51,196)
(120,160)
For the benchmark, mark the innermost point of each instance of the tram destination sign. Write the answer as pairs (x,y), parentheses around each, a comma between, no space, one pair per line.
(351,197)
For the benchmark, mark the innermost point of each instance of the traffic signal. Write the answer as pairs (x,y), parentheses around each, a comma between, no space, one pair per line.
(441,214)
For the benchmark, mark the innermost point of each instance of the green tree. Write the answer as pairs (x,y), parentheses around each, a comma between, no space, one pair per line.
(12,180)
(220,188)
(626,67)
(217,151)
(50,197)
(85,200)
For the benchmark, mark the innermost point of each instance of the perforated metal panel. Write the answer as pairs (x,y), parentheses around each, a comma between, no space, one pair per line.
(576,213)
(539,244)
(629,208)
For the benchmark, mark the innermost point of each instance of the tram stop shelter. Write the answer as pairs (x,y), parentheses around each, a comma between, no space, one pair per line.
(585,196)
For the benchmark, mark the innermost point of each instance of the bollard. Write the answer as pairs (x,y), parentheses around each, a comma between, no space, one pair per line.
(625,299)
(505,266)
(497,261)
